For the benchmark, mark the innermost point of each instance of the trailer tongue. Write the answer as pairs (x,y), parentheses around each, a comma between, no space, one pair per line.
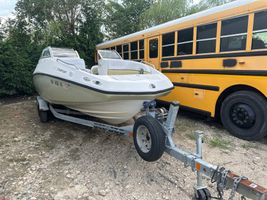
(153,133)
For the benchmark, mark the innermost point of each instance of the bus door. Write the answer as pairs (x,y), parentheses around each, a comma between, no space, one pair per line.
(153,51)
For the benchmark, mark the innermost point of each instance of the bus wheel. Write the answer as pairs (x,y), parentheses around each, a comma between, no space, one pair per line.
(244,115)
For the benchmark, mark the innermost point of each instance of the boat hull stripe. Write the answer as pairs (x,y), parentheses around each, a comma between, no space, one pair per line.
(103,91)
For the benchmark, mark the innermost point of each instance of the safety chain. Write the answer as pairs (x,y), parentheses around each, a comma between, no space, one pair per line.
(235,185)
(220,176)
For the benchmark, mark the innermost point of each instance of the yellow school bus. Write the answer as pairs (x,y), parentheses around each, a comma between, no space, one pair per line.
(217,61)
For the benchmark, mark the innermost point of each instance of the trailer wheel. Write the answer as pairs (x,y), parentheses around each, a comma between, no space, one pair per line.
(43,115)
(244,115)
(203,194)
(149,138)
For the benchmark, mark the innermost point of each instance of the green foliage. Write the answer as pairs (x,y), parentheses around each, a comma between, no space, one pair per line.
(205,4)
(220,143)
(165,10)
(124,18)
(1,31)
(40,23)
(90,34)
(17,60)
(212,3)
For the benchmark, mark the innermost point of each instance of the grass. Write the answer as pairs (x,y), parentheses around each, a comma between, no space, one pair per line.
(218,142)
(191,136)
(248,146)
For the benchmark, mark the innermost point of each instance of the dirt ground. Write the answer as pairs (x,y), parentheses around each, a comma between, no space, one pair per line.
(60,160)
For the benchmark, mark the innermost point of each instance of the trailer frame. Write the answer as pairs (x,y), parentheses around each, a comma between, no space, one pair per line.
(225,179)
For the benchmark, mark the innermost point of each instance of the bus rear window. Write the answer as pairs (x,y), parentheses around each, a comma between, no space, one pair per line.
(260,31)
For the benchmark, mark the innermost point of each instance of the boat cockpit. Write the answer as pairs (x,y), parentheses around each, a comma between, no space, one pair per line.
(109,62)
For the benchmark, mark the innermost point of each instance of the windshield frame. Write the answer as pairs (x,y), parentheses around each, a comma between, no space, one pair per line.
(99,52)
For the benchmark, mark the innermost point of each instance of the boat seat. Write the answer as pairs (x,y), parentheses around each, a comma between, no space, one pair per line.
(94,70)
(121,67)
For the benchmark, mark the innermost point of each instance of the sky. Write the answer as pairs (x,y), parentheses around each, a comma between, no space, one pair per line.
(6,8)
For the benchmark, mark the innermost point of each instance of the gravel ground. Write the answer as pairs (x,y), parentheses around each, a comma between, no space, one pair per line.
(60,160)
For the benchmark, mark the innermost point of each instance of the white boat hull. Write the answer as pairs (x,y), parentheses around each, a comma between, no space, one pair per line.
(115,112)
(111,108)
(115,94)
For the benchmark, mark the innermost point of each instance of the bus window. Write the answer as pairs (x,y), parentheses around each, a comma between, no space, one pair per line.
(119,49)
(260,31)
(168,41)
(234,34)
(185,41)
(134,51)
(126,51)
(141,49)
(153,48)
(206,38)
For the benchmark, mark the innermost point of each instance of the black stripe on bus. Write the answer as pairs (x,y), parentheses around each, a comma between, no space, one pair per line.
(221,72)
(103,91)
(221,55)
(197,86)
(190,109)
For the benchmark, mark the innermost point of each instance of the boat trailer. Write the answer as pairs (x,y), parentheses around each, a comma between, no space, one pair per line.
(153,135)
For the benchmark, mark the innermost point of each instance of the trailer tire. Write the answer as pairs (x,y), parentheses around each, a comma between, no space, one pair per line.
(244,115)
(43,115)
(203,194)
(149,138)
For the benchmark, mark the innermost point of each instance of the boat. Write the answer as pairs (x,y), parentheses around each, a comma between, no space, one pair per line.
(113,91)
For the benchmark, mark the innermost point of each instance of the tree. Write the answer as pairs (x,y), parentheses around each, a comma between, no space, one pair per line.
(64,23)
(124,18)
(205,4)
(213,3)
(90,29)
(1,31)
(40,23)
(54,19)
(165,10)
(17,60)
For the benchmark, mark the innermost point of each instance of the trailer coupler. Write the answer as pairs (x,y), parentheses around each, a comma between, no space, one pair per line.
(225,179)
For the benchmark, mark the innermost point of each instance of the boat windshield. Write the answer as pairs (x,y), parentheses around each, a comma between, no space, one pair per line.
(106,54)
(64,53)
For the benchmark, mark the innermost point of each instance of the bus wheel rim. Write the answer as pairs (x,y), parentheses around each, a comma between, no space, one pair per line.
(242,115)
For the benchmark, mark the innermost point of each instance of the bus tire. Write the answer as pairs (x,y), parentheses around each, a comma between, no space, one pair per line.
(244,115)
(149,138)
